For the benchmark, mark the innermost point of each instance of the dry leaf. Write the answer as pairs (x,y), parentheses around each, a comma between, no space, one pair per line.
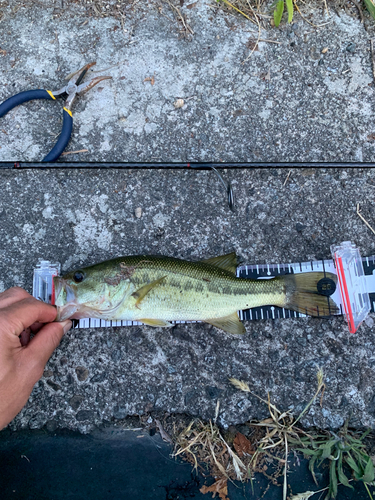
(191,5)
(220,487)
(165,436)
(150,79)
(242,445)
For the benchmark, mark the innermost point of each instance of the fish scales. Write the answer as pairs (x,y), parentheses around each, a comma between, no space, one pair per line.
(190,290)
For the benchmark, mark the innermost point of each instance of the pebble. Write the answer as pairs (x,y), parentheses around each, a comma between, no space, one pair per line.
(179,103)
(244,429)
(213,392)
(85,415)
(76,401)
(51,425)
(82,373)
(119,412)
(138,212)
(369,321)
(116,355)
(302,341)
(351,47)
(274,356)
(55,387)
(242,404)
(37,422)
(98,377)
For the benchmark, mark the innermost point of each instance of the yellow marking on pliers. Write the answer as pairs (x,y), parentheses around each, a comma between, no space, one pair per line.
(50,93)
(69,112)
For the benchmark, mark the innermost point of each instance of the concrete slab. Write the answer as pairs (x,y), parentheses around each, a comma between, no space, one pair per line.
(83,216)
(287,102)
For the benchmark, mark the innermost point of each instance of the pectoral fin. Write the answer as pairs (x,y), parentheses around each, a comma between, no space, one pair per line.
(230,324)
(156,322)
(141,293)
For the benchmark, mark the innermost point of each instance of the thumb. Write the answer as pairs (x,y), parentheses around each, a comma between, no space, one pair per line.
(46,340)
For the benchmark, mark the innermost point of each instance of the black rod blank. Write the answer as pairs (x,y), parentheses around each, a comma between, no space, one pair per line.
(181,165)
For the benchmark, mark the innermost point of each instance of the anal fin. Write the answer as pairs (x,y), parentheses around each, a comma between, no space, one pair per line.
(230,324)
(156,322)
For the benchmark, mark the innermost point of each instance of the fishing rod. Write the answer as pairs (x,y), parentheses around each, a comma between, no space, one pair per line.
(183,165)
(24,165)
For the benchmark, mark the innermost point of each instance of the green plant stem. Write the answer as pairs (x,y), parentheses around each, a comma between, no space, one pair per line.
(368,491)
(320,386)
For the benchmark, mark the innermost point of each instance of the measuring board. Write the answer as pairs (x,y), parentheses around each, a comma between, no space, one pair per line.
(272,270)
(43,288)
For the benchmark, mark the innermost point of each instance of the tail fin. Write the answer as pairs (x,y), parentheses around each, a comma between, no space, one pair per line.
(308,293)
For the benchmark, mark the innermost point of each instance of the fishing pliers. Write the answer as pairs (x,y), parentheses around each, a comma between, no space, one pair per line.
(70,91)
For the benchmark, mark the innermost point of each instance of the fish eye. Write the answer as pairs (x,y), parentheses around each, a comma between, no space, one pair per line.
(79,276)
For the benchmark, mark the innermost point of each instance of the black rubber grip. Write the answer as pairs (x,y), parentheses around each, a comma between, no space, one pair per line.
(28,95)
(62,140)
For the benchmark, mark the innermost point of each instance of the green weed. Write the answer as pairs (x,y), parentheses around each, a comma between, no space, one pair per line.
(342,448)
(279,10)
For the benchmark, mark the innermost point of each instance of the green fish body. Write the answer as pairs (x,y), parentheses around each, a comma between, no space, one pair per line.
(156,290)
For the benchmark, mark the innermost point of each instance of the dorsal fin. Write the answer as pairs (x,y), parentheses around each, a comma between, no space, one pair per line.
(227,262)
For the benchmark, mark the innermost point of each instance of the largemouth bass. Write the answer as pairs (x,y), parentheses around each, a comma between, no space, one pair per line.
(156,290)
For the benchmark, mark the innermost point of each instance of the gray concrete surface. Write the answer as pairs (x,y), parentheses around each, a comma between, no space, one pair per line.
(81,217)
(287,102)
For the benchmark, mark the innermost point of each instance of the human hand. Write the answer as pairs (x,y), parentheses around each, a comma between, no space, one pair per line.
(22,360)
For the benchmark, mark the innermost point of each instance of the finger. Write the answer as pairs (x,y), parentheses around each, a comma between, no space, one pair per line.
(25,337)
(41,346)
(35,327)
(25,334)
(12,295)
(24,313)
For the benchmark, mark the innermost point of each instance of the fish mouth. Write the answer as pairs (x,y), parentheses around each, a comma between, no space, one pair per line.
(65,299)
(64,293)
